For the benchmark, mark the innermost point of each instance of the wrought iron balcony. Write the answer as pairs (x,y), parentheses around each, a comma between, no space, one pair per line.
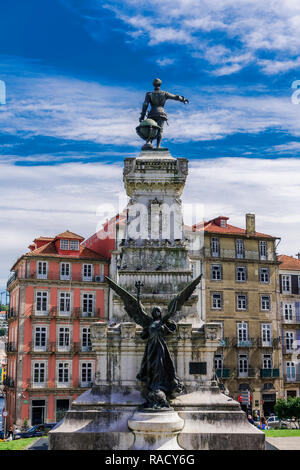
(12,314)
(11,278)
(223,373)
(271,373)
(250,373)
(248,343)
(294,320)
(9,382)
(10,347)
(292,378)
(56,276)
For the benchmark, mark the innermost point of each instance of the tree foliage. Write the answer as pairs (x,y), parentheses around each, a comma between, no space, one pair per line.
(288,409)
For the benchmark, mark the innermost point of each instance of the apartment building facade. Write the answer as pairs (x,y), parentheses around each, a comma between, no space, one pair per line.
(240,291)
(57,290)
(289,280)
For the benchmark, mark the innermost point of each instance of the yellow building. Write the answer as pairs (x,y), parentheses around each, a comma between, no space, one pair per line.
(240,291)
(289,281)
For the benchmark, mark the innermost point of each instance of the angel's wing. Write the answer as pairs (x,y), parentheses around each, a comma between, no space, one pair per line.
(134,309)
(177,302)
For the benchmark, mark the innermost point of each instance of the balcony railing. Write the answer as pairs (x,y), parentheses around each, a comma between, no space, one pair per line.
(11,314)
(9,382)
(11,278)
(75,313)
(294,320)
(250,373)
(53,384)
(51,276)
(291,349)
(250,343)
(10,347)
(232,254)
(271,373)
(292,377)
(223,373)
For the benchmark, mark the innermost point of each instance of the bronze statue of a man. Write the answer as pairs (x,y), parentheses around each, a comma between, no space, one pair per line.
(157,99)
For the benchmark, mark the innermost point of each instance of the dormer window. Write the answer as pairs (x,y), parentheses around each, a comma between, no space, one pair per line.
(64,244)
(223,223)
(74,245)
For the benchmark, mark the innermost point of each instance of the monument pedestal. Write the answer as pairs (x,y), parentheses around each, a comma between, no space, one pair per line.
(154,252)
(155,430)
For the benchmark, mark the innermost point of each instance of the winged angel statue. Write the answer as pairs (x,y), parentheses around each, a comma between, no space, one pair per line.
(157,371)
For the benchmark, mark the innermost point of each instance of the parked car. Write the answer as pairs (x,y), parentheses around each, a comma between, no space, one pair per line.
(274,422)
(35,431)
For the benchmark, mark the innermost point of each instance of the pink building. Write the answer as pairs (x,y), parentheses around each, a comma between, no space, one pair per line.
(56,291)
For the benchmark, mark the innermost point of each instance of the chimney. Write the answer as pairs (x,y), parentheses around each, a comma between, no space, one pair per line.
(250,224)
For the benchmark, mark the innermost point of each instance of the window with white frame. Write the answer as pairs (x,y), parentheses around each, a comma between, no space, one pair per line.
(286,283)
(74,245)
(216,300)
(40,338)
(87,272)
(215,247)
(39,374)
(263,250)
(65,303)
(241,301)
(265,302)
(241,273)
(264,275)
(290,370)
(42,270)
(218,361)
(65,271)
(88,304)
(289,340)
(242,332)
(64,339)
(41,302)
(64,244)
(86,375)
(267,361)
(86,344)
(63,374)
(266,334)
(243,365)
(240,248)
(216,272)
(288,310)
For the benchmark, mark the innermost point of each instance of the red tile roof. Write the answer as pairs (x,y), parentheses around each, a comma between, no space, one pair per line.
(212,227)
(68,234)
(49,249)
(289,263)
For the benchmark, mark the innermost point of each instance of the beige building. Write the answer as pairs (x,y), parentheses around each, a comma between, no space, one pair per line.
(289,279)
(240,291)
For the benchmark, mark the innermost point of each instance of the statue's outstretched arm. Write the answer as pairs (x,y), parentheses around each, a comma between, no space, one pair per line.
(170,96)
(177,302)
(131,304)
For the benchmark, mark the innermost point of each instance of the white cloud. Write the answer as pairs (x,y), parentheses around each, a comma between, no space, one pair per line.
(47,200)
(271,25)
(66,108)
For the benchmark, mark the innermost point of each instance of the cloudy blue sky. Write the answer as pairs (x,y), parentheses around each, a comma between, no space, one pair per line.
(76,73)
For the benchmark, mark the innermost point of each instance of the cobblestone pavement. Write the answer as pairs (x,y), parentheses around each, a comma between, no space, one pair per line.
(284,443)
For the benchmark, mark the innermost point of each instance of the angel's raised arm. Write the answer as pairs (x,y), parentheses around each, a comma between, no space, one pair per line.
(131,304)
(177,302)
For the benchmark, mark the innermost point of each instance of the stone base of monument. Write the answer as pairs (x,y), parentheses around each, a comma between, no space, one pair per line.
(155,430)
(111,420)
